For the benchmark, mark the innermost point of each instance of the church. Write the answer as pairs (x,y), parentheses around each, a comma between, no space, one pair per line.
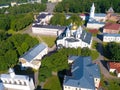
(74,37)
(96,20)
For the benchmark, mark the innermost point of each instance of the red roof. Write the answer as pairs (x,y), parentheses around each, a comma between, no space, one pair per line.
(82,14)
(115,65)
(112,26)
(94,31)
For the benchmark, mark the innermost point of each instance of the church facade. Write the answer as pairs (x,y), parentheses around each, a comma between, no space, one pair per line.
(74,37)
(96,20)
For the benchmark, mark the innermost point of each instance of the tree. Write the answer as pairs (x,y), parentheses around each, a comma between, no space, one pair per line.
(12,47)
(85,51)
(112,51)
(58,19)
(75,19)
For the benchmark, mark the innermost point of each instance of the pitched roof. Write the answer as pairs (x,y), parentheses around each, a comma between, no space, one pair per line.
(111,35)
(100,15)
(49,26)
(112,26)
(86,37)
(83,73)
(32,53)
(110,10)
(115,65)
(1,85)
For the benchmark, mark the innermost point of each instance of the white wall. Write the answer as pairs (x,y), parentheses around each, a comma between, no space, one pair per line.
(94,25)
(118,75)
(46,31)
(97,82)
(111,39)
(19,85)
(112,70)
(74,88)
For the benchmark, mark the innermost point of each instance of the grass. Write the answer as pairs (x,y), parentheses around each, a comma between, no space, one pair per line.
(49,40)
(52,83)
(94,54)
(11,31)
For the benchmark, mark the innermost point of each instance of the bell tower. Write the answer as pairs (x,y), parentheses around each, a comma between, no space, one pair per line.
(92,11)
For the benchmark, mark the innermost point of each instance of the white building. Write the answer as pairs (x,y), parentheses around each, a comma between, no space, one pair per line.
(12,81)
(43,18)
(4,6)
(111,37)
(47,29)
(83,75)
(74,37)
(33,56)
(53,1)
(96,21)
(114,67)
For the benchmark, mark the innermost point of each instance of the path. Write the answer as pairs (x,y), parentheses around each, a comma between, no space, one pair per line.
(99,60)
(50,7)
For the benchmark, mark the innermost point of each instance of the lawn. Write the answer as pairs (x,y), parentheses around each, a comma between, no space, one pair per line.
(110,84)
(94,54)
(49,40)
(53,83)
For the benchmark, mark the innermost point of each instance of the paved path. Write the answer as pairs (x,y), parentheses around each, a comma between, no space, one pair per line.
(50,7)
(99,60)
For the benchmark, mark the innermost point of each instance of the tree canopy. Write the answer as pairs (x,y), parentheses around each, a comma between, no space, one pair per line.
(60,19)
(76,6)
(58,61)
(112,51)
(12,47)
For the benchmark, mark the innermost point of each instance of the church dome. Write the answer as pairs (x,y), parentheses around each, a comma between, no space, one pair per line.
(74,27)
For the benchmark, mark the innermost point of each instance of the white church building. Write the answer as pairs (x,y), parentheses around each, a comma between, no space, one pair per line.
(74,37)
(12,81)
(96,20)
(33,56)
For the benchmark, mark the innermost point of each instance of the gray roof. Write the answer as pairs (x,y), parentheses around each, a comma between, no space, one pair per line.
(72,40)
(32,53)
(86,37)
(1,86)
(49,26)
(83,73)
(100,15)
(110,10)
(93,21)
(111,35)
(20,77)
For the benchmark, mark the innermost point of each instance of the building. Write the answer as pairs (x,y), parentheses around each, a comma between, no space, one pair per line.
(112,28)
(41,25)
(33,56)
(13,4)
(4,6)
(112,16)
(111,37)
(96,20)
(53,1)
(74,37)
(12,81)
(43,18)
(47,29)
(1,85)
(114,67)
(84,75)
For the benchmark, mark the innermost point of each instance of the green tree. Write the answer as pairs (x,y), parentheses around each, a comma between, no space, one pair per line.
(112,51)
